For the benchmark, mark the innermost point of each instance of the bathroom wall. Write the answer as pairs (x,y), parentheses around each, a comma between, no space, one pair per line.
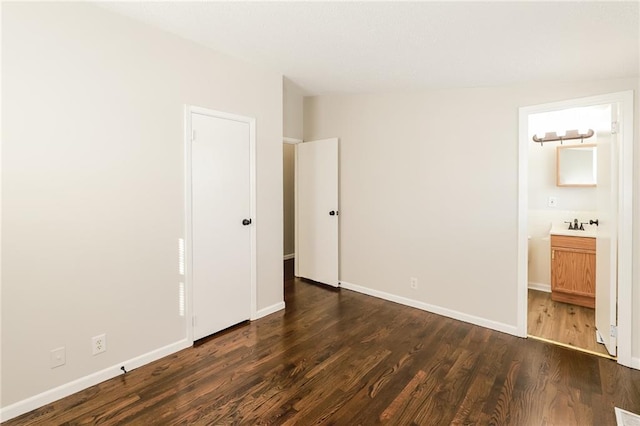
(571,202)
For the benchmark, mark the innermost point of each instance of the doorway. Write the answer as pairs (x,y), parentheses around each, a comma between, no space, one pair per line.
(564,189)
(288,197)
(310,187)
(220,220)
(532,232)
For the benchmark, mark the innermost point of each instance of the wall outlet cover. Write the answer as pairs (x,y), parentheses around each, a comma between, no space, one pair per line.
(98,344)
(57,357)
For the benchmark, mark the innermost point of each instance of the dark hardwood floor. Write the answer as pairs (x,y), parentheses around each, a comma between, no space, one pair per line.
(564,323)
(343,358)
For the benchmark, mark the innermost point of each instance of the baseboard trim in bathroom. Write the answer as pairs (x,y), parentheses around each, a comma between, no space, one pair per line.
(540,287)
(575,348)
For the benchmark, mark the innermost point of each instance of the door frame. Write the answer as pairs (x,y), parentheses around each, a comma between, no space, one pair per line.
(625,211)
(189,110)
(294,141)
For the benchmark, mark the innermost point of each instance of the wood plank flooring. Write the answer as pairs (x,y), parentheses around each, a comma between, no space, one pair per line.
(342,358)
(562,322)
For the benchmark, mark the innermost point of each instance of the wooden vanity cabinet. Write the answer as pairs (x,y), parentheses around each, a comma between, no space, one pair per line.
(573,270)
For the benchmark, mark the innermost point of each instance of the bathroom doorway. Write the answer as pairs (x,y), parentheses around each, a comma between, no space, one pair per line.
(565,212)
(545,206)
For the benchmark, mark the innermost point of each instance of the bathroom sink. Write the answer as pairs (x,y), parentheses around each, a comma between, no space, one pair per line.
(561,230)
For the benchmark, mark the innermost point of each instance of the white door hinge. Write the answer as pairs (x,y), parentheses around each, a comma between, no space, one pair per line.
(615,127)
(614,331)
(193,135)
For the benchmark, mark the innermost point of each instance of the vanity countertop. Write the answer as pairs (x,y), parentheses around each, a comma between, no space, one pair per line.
(557,230)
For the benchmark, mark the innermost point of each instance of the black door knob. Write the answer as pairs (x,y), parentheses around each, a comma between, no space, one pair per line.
(332,213)
(246,222)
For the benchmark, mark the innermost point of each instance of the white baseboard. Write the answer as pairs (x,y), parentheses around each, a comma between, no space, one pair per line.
(540,287)
(635,363)
(85,382)
(483,322)
(289,256)
(269,310)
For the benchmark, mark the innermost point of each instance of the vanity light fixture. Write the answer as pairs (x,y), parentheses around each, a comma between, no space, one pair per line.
(569,135)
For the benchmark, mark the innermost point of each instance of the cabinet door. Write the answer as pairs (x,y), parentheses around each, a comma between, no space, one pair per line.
(573,273)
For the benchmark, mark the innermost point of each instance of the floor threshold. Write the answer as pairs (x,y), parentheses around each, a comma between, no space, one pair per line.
(575,348)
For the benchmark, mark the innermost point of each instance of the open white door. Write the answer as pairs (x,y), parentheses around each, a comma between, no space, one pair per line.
(606,240)
(317,211)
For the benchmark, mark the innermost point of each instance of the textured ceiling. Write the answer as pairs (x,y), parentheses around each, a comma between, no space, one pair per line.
(338,47)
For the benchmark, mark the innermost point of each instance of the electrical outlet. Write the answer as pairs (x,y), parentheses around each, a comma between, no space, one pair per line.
(99,344)
(57,357)
(413,282)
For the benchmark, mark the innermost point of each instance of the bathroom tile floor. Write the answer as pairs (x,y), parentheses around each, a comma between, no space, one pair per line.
(562,322)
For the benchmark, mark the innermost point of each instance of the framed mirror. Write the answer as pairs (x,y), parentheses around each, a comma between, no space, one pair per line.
(576,165)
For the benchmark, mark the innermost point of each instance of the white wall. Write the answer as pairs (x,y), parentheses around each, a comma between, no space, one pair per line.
(429,188)
(92,113)
(292,103)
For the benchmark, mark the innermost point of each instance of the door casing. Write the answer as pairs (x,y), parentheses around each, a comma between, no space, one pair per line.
(625,211)
(188,245)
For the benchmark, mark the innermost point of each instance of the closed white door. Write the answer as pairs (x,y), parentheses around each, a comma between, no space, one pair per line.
(317,211)
(606,240)
(221,223)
